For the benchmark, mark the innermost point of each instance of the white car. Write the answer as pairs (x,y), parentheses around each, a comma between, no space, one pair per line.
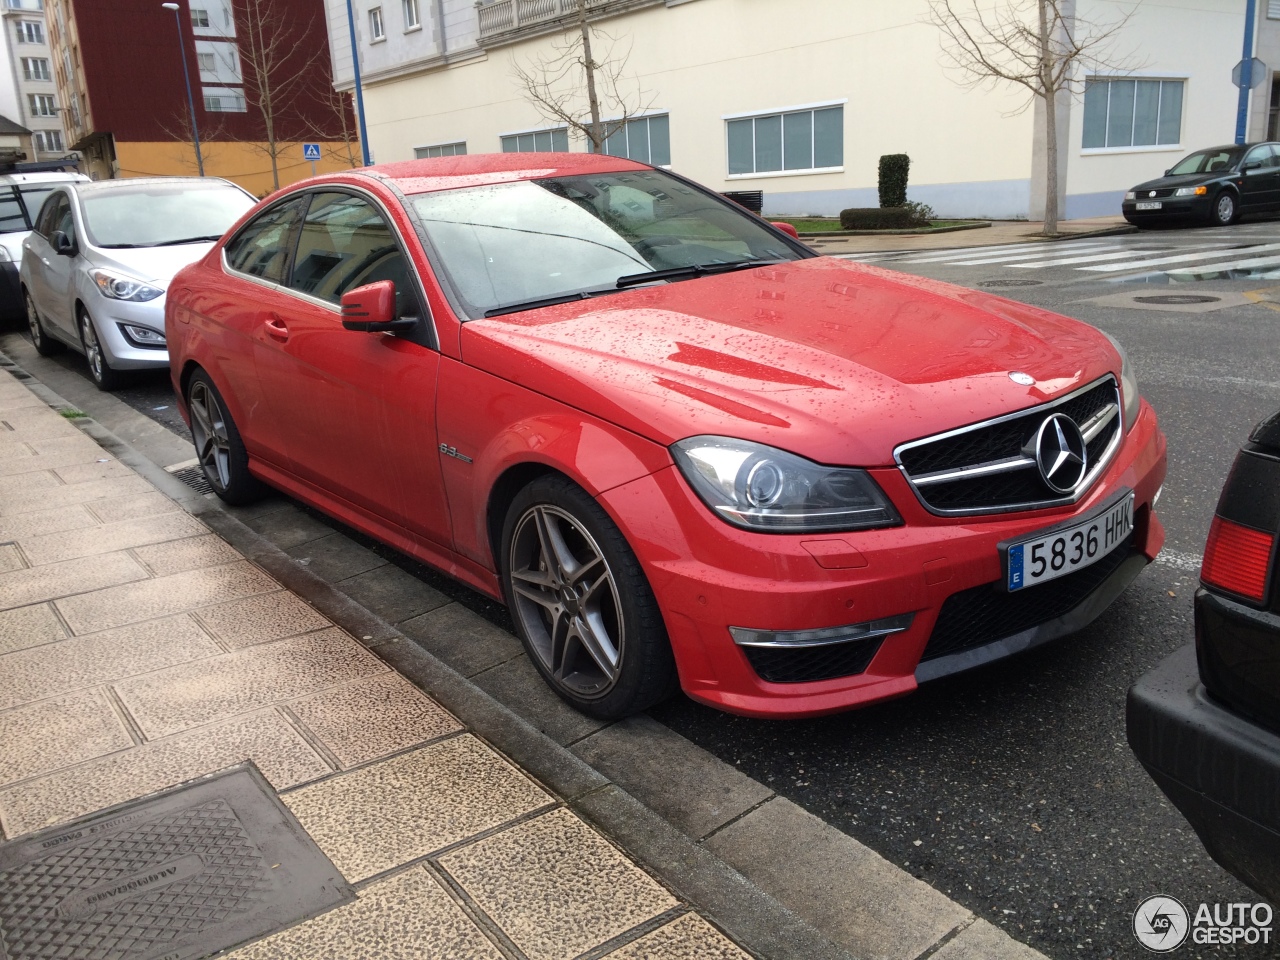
(101,256)
(21,196)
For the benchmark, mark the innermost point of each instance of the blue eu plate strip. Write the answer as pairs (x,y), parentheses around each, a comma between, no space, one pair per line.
(1015,567)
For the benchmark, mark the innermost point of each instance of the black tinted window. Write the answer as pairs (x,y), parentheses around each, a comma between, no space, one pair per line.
(262,247)
(33,199)
(11,218)
(346,243)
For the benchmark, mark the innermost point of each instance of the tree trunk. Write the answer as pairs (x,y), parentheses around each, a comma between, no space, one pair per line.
(596,134)
(1050,125)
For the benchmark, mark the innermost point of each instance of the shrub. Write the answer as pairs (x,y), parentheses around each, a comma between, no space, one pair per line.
(876,218)
(893,179)
(921,213)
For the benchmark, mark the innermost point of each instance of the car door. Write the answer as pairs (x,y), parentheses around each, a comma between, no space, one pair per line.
(363,403)
(1260,189)
(37,253)
(59,270)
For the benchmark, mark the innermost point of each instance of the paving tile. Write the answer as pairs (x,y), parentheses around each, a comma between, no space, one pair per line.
(100,469)
(76,440)
(10,558)
(108,538)
(267,739)
(405,917)
(17,466)
(397,810)
(131,508)
(66,730)
(134,602)
(575,891)
(31,626)
(16,451)
(192,553)
(372,718)
(287,527)
(46,522)
(685,938)
(465,640)
(335,557)
(191,694)
(38,672)
(392,593)
(22,587)
(28,483)
(73,493)
(517,684)
(19,397)
(983,941)
(43,428)
(261,619)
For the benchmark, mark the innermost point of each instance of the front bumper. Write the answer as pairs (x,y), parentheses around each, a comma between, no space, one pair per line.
(1221,771)
(708,576)
(1172,208)
(122,353)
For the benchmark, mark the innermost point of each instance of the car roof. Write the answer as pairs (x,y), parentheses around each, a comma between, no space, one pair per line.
(10,179)
(124,183)
(448,173)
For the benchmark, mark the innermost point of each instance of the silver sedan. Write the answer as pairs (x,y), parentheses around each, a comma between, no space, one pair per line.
(97,265)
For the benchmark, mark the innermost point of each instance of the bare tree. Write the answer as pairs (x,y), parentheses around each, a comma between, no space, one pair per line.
(572,87)
(339,136)
(177,128)
(1039,45)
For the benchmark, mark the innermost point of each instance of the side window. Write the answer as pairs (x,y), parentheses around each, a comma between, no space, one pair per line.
(262,247)
(1260,155)
(11,218)
(33,198)
(64,219)
(346,243)
(44,222)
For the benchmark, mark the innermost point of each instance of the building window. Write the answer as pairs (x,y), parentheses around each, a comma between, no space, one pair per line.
(440,150)
(376,32)
(410,14)
(647,139)
(42,105)
(1132,113)
(30,32)
(199,17)
(207,63)
(537,141)
(1273,9)
(224,101)
(49,141)
(795,140)
(35,68)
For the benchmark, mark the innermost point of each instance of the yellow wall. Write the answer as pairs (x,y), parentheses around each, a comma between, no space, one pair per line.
(244,163)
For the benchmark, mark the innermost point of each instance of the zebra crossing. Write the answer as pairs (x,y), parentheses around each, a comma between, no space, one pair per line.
(1251,252)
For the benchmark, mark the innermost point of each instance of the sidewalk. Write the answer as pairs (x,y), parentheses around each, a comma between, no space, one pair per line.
(1000,232)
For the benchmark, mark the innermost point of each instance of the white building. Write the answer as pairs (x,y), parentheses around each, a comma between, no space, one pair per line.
(29,77)
(800,98)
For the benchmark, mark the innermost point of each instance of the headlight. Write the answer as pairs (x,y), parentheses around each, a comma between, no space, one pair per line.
(119,287)
(763,488)
(1131,195)
(1128,385)
(1191,191)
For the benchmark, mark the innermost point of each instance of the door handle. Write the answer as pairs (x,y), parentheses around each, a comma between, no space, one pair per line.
(275,328)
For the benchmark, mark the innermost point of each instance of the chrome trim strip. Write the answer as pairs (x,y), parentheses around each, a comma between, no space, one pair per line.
(1098,422)
(892,625)
(981,470)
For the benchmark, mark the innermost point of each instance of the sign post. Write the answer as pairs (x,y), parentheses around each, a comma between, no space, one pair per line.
(311,151)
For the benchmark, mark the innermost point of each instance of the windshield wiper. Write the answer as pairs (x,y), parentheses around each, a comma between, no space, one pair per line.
(547,301)
(174,243)
(696,270)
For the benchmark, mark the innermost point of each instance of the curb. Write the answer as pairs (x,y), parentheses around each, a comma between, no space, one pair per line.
(886,233)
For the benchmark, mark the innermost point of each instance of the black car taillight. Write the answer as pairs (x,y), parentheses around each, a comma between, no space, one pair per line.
(1237,559)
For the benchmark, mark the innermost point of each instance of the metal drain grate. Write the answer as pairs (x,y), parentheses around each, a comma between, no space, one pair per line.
(182,875)
(194,478)
(1178,299)
(1010,283)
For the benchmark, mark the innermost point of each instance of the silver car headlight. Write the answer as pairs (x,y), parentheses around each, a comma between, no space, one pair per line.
(117,286)
(762,488)
(1131,195)
(1128,385)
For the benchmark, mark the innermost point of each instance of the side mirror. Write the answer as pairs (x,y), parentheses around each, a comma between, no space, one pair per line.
(1252,165)
(63,245)
(786,228)
(372,309)
(1169,172)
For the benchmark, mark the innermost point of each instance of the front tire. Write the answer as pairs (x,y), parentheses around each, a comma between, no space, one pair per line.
(219,449)
(1225,209)
(581,603)
(105,376)
(45,345)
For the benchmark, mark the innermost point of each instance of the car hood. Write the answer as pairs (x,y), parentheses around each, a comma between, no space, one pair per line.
(155,265)
(1183,180)
(835,361)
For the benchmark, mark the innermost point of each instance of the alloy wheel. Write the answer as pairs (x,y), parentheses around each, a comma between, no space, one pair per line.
(566,598)
(92,349)
(33,322)
(209,431)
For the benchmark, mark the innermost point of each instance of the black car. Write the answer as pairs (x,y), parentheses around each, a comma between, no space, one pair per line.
(1213,186)
(1205,723)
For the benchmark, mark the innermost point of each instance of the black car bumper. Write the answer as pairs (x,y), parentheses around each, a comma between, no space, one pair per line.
(11,307)
(1219,769)
(1181,208)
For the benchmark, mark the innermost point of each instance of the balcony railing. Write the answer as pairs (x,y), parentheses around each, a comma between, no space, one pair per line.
(502,16)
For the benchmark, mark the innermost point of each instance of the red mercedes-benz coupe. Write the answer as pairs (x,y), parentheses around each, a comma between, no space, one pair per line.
(677,443)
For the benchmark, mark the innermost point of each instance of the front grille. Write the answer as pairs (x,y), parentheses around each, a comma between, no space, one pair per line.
(806,664)
(1019,486)
(981,615)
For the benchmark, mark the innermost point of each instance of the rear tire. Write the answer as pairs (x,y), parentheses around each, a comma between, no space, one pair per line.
(219,449)
(45,345)
(1225,209)
(105,376)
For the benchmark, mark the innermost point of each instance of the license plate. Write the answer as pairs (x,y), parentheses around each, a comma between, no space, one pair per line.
(1148,206)
(1070,548)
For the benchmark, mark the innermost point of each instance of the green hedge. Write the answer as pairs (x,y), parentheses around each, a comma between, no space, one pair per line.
(876,218)
(893,179)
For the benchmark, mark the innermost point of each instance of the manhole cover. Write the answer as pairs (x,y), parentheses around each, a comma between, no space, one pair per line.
(1177,299)
(182,875)
(1010,283)
(194,478)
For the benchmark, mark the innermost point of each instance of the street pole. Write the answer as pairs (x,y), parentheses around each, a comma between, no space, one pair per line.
(355,65)
(186,75)
(1246,73)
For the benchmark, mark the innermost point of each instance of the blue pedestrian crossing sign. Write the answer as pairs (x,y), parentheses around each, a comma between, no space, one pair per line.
(311,151)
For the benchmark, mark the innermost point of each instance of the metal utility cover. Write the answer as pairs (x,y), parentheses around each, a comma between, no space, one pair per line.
(180,875)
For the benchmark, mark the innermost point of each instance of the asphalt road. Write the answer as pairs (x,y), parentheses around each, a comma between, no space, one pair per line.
(1011,789)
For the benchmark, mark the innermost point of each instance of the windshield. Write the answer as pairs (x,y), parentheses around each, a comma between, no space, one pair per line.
(1207,161)
(157,215)
(519,243)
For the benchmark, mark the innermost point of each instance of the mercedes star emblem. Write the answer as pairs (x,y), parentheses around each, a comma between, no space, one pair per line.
(1026,379)
(1060,453)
